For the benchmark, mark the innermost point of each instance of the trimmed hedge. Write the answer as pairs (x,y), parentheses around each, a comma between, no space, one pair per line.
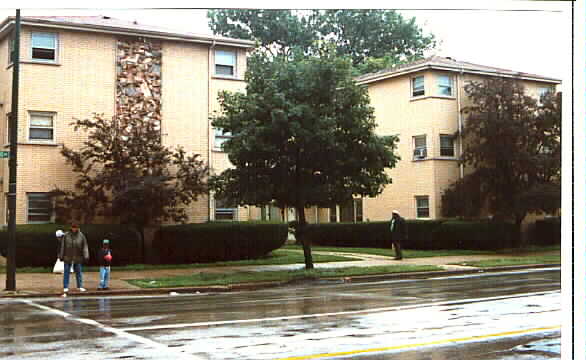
(422,235)
(371,234)
(547,232)
(36,244)
(218,241)
(468,235)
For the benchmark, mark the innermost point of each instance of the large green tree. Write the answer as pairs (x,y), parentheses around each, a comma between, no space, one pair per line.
(373,39)
(302,135)
(512,141)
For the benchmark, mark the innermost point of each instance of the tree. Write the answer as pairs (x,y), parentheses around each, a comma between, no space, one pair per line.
(513,143)
(373,39)
(302,135)
(125,171)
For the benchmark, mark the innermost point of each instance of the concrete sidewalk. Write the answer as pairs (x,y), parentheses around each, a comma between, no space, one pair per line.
(49,284)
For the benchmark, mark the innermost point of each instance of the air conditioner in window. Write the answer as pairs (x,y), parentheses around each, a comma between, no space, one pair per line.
(420,153)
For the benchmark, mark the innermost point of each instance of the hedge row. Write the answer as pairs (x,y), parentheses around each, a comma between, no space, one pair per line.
(422,235)
(36,245)
(547,231)
(220,241)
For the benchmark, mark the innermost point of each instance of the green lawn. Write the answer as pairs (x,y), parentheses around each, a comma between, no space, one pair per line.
(525,260)
(391,252)
(277,257)
(207,279)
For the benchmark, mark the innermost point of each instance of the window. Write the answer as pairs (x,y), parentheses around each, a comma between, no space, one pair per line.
(40,209)
(447,145)
(444,85)
(44,46)
(270,212)
(420,147)
(225,63)
(12,50)
(417,86)
(8,128)
(224,210)
(349,212)
(41,126)
(220,138)
(422,206)
(542,91)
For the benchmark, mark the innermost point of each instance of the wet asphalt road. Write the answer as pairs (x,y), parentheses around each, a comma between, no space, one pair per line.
(489,316)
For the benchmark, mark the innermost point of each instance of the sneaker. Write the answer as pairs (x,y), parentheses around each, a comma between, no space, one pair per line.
(99,289)
(106,288)
(65,290)
(82,290)
(64,295)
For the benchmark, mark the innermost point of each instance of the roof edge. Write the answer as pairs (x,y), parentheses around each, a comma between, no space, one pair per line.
(9,22)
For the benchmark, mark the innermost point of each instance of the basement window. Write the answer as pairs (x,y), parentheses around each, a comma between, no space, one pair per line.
(225,63)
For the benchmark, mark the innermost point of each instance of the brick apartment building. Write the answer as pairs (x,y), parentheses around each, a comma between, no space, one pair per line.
(73,66)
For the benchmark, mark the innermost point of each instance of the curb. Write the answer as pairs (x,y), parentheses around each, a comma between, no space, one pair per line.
(271,284)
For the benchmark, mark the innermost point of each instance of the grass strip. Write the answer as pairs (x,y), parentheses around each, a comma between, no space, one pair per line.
(277,257)
(206,279)
(525,260)
(409,254)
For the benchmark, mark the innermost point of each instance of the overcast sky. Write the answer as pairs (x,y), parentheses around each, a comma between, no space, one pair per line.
(528,36)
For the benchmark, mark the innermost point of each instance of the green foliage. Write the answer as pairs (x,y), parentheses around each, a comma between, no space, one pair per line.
(303,134)
(219,241)
(480,235)
(36,245)
(371,234)
(513,144)
(548,231)
(125,171)
(363,35)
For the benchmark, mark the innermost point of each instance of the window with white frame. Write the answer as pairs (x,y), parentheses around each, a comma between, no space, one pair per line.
(224,210)
(41,126)
(419,147)
(417,86)
(8,128)
(422,204)
(444,85)
(44,46)
(220,137)
(349,212)
(39,208)
(447,146)
(11,49)
(225,63)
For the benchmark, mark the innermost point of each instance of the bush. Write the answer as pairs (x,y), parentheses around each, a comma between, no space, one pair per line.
(218,241)
(479,235)
(547,232)
(36,244)
(371,234)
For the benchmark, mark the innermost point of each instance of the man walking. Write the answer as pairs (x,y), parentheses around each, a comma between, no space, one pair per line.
(398,233)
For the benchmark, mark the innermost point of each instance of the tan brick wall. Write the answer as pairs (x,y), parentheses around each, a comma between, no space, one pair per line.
(397,113)
(83,81)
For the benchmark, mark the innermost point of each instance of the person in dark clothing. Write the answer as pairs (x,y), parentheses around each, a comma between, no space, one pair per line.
(73,251)
(105,260)
(398,233)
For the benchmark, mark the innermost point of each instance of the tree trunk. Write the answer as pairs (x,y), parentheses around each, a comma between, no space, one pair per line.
(517,233)
(300,236)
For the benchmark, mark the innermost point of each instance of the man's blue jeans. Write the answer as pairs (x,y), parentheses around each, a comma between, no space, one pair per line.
(104,276)
(78,275)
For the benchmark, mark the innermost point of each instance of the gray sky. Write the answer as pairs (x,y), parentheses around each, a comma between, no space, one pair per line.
(524,36)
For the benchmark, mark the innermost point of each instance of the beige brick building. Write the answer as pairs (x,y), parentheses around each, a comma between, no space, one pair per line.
(72,66)
(421,102)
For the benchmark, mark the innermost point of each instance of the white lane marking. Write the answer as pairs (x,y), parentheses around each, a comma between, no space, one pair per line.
(118,332)
(355,312)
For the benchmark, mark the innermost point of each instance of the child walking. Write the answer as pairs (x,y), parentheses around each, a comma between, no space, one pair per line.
(104,259)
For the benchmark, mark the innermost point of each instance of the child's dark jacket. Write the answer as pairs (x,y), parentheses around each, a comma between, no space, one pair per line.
(103,252)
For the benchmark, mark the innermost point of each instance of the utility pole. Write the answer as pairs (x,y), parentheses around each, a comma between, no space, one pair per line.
(11,256)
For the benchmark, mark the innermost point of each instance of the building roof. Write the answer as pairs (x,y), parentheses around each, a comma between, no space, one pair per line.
(449,64)
(106,24)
